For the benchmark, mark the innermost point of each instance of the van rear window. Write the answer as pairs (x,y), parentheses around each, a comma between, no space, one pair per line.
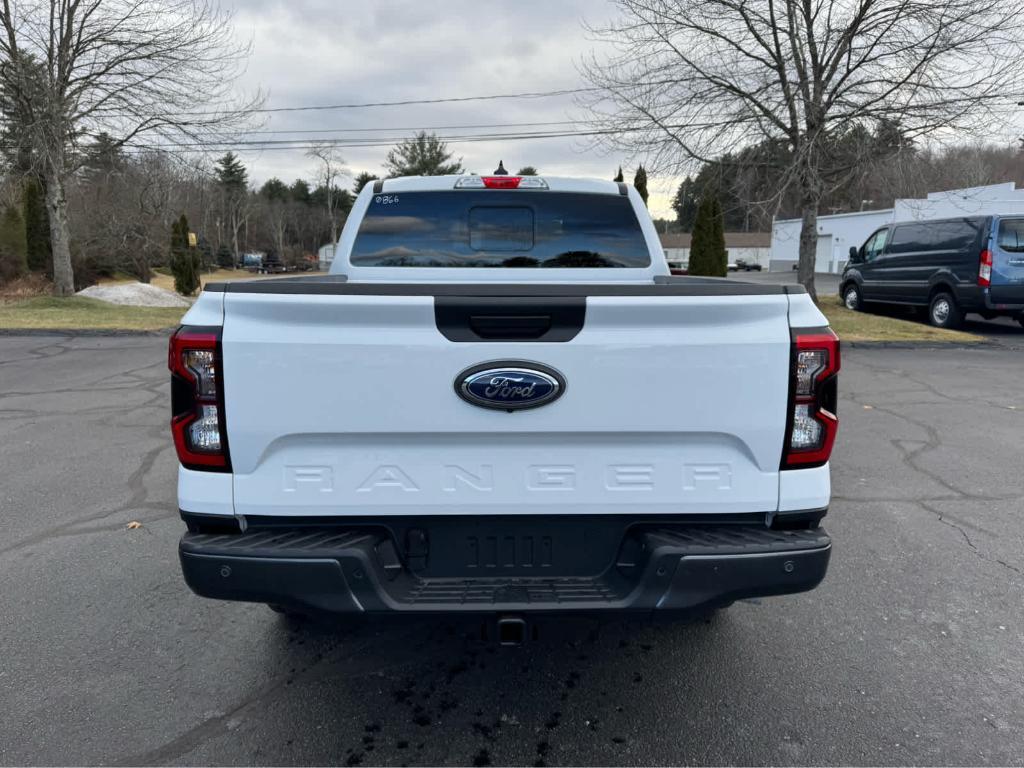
(494,228)
(1011,235)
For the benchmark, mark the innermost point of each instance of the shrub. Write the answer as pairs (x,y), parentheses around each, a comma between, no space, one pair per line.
(185,261)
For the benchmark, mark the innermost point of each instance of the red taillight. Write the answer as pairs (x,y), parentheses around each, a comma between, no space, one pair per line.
(985,269)
(197,402)
(812,423)
(502,182)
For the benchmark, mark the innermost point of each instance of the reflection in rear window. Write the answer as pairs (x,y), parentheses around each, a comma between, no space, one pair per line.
(495,228)
(1011,235)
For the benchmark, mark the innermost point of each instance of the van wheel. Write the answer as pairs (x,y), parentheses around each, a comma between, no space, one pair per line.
(852,298)
(943,311)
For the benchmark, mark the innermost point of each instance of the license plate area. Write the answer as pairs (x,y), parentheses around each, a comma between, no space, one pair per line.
(501,547)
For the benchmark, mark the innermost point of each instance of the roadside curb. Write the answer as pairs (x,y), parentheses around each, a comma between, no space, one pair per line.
(71,332)
(981,344)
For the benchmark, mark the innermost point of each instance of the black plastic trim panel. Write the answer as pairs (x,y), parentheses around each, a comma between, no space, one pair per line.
(661,286)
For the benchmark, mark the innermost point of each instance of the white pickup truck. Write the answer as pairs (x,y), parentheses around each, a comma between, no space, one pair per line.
(500,402)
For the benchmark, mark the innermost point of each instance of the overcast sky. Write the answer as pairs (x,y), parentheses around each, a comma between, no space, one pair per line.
(315,52)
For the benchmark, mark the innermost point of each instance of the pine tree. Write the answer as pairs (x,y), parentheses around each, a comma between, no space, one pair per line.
(184,259)
(707,246)
(224,257)
(640,182)
(618,176)
(12,244)
(423,155)
(37,226)
(364,178)
(685,204)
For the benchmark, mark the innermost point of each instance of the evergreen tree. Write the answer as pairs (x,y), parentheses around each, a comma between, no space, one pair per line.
(707,246)
(619,176)
(300,191)
(423,155)
(364,178)
(527,170)
(234,184)
(640,182)
(184,259)
(37,226)
(231,173)
(275,189)
(205,254)
(12,244)
(224,257)
(685,204)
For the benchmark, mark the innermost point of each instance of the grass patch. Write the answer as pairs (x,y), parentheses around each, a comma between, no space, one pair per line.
(79,312)
(868,326)
(162,278)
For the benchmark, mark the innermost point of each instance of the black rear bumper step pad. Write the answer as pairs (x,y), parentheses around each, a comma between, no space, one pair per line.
(662,568)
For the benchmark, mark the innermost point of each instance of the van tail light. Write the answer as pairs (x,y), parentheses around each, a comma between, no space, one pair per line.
(812,423)
(197,399)
(985,269)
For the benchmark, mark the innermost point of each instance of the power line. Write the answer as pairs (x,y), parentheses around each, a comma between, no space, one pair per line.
(407,102)
(286,144)
(411,128)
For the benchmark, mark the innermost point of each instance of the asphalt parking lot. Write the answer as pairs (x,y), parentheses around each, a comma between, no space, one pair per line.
(909,653)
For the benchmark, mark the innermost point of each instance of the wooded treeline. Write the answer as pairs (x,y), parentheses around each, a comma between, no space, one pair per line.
(122,207)
(872,170)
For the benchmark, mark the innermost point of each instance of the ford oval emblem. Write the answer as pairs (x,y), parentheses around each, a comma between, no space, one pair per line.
(510,385)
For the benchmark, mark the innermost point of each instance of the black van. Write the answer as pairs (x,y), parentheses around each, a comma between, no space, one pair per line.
(951,266)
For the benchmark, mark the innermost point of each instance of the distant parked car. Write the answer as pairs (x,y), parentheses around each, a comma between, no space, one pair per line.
(950,266)
(742,265)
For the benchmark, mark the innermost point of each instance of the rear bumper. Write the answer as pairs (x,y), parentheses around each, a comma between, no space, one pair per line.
(655,569)
(1007,299)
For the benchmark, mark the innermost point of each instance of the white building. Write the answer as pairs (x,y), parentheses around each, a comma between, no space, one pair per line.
(837,233)
(324,256)
(752,247)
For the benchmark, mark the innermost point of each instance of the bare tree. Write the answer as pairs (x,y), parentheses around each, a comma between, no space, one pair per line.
(692,79)
(332,165)
(160,71)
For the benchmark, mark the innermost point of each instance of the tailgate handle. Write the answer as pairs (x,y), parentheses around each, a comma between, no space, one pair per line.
(510,318)
(510,326)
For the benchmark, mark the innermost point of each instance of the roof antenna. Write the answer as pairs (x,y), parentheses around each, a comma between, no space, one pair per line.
(500,170)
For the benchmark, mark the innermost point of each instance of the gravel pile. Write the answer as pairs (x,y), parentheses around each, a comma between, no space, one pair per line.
(135,295)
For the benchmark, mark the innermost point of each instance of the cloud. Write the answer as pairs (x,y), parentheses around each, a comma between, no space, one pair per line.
(308,52)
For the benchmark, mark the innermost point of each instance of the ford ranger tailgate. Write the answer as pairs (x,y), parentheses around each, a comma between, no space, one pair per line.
(345,403)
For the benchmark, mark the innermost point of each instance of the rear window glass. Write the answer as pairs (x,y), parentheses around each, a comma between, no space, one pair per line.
(934,236)
(496,228)
(1011,235)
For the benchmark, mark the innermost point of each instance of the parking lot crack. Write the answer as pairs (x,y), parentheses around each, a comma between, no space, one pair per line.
(967,539)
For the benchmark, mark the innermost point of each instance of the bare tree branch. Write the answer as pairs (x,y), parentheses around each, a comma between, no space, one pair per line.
(72,70)
(691,80)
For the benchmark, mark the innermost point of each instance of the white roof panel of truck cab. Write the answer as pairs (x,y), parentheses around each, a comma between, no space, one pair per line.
(555,184)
